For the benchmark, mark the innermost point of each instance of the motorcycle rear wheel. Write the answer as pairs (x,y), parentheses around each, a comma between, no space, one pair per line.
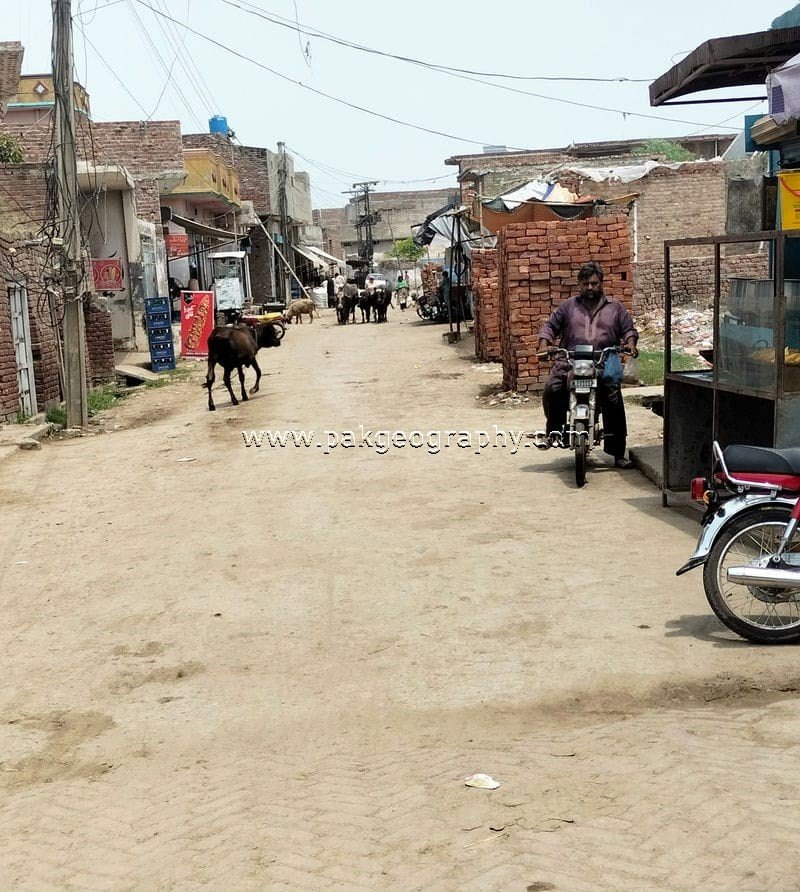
(581,451)
(758,613)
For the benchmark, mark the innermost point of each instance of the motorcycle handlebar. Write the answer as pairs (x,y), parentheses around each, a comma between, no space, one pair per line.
(555,352)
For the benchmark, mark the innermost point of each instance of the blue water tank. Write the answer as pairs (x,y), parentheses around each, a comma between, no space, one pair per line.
(218,124)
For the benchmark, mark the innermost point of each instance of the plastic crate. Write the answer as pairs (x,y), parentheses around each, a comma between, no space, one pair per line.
(165,364)
(156,305)
(160,336)
(162,351)
(157,320)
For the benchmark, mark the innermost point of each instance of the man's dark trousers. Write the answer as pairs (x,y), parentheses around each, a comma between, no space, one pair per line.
(609,400)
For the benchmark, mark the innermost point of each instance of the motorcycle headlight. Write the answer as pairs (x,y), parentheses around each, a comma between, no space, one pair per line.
(583,368)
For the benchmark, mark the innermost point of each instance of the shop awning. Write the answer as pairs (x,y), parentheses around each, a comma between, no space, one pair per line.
(201,228)
(324,255)
(305,252)
(740,61)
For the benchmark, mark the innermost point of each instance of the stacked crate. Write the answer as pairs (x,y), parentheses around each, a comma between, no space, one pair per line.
(159,333)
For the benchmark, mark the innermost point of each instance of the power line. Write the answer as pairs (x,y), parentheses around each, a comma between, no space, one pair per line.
(159,58)
(462,74)
(340,101)
(310,31)
(327,168)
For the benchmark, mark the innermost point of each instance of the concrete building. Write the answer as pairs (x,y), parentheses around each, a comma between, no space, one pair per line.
(259,171)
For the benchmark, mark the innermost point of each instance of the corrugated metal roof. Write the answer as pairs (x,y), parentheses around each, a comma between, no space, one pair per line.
(737,61)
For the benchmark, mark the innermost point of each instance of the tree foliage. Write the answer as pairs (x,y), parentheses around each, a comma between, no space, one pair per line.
(10,149)
(405,249)
(672,151)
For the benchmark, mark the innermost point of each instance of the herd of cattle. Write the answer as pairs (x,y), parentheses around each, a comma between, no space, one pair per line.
(373,305)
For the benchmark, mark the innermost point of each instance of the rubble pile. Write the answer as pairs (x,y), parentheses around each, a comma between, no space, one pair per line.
(692,328)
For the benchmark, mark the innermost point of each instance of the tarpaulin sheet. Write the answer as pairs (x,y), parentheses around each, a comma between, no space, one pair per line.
(783,90)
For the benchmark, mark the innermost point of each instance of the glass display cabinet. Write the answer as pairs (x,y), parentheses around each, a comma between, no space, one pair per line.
(732,349)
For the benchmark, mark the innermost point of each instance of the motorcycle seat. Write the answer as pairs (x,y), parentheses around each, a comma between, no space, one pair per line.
(761,460)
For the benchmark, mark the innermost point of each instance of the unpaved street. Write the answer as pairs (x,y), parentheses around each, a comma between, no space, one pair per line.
(276,666)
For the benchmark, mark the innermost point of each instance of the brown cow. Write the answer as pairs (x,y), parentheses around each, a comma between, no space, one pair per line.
(233,347)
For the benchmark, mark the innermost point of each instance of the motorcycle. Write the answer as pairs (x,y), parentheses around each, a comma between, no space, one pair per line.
(428,307)
(749,545)
(582,430)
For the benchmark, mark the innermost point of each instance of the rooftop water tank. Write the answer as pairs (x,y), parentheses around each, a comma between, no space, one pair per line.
(218,124)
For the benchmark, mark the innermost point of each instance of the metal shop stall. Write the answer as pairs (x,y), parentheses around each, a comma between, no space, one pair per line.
(744,387)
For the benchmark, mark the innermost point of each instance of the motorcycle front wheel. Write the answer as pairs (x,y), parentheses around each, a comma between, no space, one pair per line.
(759,613)
(581,451)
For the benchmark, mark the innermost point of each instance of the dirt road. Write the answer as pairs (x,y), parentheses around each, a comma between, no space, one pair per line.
(270,666)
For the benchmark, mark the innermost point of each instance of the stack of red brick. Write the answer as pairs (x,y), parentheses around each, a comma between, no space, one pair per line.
(486,295)
(538,266)
(430,278)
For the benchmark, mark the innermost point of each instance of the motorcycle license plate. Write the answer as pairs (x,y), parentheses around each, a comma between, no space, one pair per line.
(583,386)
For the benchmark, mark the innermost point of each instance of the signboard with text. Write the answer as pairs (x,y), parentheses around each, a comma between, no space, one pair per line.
(177,245)
(197,322)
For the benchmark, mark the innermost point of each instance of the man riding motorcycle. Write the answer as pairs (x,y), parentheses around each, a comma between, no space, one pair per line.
(590,318)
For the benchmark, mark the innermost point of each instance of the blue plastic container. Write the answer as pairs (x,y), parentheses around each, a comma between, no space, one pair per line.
(218,124)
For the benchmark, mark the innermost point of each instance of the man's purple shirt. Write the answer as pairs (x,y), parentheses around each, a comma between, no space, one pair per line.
(572,324)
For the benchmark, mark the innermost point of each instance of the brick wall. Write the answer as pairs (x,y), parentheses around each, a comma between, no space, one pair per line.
(486,294)
(538,265)
(143,147)
(689,202)
(9,391)
(23,198)
(692,279)
(11,53)
(148,200)
(99,344)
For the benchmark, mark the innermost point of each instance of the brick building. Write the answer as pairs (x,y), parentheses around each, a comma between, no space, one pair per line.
(496,171)
(125,166)
(31,304)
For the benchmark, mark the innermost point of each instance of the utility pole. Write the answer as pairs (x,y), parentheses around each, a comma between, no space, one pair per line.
(365,220)
(69,225)
(286,289)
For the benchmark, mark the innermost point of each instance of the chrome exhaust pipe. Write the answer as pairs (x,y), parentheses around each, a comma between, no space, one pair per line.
(777,578)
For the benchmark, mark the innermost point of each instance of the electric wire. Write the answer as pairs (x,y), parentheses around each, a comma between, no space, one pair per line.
(314,90)
(310,31)
(394,120)
(159,58)
(461,74)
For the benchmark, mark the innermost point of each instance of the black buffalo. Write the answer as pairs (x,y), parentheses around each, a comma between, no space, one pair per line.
(234,347)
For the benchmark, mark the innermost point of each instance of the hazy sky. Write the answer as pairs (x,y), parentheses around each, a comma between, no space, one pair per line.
(587,38)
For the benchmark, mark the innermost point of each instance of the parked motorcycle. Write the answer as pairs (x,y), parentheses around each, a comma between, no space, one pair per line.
(582,431)
(749,546)
(428,307)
